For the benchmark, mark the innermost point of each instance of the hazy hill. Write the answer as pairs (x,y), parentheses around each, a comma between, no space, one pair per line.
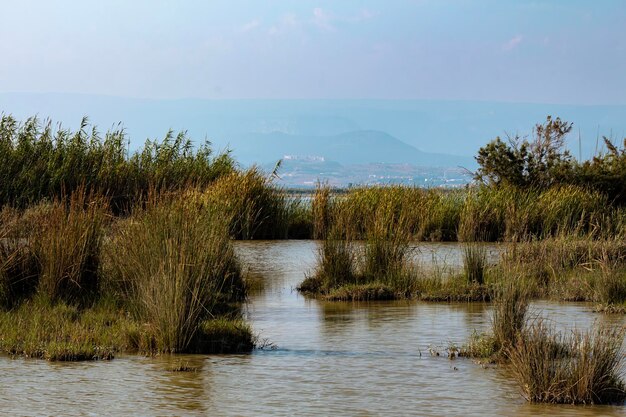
(444,127)
(357,147)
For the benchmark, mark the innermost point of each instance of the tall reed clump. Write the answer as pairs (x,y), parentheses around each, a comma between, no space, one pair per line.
(576,368)
(336,258)
(387,249)
(563,259)
(509,311)
(257,208)
(177,264)
(19,268)
(67,245)
(474,263)
(610,286)
(510,298)
(321,210)
(572,211)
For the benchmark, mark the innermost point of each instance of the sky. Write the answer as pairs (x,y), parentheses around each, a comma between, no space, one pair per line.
(569,52)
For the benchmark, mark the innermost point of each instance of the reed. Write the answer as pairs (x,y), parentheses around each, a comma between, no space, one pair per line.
(299,219)
(572,211)
(387,250)
(474,263)
(257,209)
(40,160)
(509,311)
(176,262)
(610,285)
(569,268)
(321,209)
(19,268)
(378,267)
(336,264)
(67,244)
(574,368)
(516,214)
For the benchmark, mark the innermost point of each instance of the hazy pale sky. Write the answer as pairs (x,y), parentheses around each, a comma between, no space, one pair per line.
(570,51)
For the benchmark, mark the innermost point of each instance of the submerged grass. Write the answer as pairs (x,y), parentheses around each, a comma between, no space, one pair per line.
(224,335)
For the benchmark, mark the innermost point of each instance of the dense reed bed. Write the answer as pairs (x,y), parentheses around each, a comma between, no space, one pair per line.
(570,269)
(481,213)
(86,220)
(79,284)
(40,160)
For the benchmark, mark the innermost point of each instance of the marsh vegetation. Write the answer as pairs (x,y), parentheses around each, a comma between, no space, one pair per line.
(104,251)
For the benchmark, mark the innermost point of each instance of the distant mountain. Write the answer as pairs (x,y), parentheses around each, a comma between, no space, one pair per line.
(356,147)
(434,126)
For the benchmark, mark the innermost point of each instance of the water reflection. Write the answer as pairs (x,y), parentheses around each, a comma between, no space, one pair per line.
(180,382)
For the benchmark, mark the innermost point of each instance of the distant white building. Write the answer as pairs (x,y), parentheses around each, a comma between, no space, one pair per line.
(304,158)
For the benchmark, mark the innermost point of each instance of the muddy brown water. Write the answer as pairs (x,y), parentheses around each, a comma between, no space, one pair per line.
(330,359)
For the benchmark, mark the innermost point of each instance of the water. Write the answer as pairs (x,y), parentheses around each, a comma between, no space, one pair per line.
(331,359)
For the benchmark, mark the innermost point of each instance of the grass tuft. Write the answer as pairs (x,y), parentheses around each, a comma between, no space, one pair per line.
(176,262)
(576,368)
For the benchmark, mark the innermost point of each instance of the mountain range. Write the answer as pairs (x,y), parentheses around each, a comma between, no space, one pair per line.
(423,133)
